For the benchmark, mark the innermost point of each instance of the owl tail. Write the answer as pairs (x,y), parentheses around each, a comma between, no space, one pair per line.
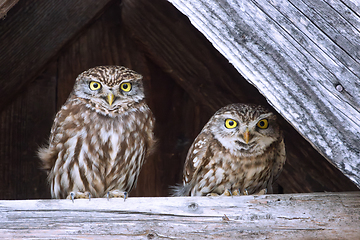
(48,157)
(180,190)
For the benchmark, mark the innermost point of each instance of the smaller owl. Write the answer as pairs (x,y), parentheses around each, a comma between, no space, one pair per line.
(240,150)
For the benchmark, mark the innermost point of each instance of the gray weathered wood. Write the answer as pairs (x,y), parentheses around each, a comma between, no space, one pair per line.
(5,6)
(286,216)
(303,56)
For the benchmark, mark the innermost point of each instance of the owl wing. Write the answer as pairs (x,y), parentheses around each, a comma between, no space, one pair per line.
(280,159)
(48,155)
(195,161)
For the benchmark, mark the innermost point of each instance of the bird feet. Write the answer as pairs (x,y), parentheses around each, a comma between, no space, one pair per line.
(229,193)
(236,192)
(262,192)
(78,195)
(116,194)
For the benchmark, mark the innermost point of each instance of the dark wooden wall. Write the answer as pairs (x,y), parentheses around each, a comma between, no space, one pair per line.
(186,81)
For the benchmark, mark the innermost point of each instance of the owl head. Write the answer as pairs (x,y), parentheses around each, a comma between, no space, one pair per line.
(245,130)
(109,89)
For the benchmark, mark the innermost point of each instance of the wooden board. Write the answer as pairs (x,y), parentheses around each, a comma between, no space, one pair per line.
(287,216)
(303,56)
(5,6)
(24,126)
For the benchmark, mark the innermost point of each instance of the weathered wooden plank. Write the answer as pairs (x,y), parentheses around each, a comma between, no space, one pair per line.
(5,6)
(296,59)
(286,216)
(32,33)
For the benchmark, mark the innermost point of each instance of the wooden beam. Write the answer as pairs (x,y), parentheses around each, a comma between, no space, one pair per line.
(184,54)
(5,6)
(33,33)
(24,126)
(285,216)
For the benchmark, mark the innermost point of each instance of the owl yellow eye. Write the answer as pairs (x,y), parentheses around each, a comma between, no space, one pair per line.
(230,123)
(126,87)
(263,123)
(95,86)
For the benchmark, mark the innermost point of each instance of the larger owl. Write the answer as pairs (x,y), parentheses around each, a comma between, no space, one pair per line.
(100,137)
(239,151)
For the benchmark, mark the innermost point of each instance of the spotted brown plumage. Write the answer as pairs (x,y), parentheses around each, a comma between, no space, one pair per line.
(239,151)
(100,137)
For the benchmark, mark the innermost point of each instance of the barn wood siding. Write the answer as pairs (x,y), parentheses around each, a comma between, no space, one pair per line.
(183,74)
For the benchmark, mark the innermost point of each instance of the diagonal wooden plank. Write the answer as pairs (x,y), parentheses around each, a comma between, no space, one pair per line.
(5,6)
(33,32)
(305,71)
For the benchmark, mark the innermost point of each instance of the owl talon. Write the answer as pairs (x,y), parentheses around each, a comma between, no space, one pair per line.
(262,192)
(227,192)
(72,194)
(236,192)
(76,195)
(246,192)
(116,194)
(212,195)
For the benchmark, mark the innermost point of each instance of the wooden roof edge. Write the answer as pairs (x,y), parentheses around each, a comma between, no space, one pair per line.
(5,7)
(43,27)
(304,65)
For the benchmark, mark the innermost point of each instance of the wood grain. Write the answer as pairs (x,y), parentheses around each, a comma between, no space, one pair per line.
(5,6)
(285,216)
(25,125)
(33,33)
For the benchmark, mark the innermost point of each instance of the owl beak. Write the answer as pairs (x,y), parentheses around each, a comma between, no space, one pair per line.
(247,136)
(110,98)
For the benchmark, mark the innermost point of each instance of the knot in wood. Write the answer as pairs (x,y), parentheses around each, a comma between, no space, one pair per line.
(339,88)
(193,206)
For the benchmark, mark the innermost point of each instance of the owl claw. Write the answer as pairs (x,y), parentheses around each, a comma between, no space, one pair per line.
(212,195)
(246,192)
(76,195)
(116,194)
(262,192)
(227,192)
(236,192)
(72,195)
